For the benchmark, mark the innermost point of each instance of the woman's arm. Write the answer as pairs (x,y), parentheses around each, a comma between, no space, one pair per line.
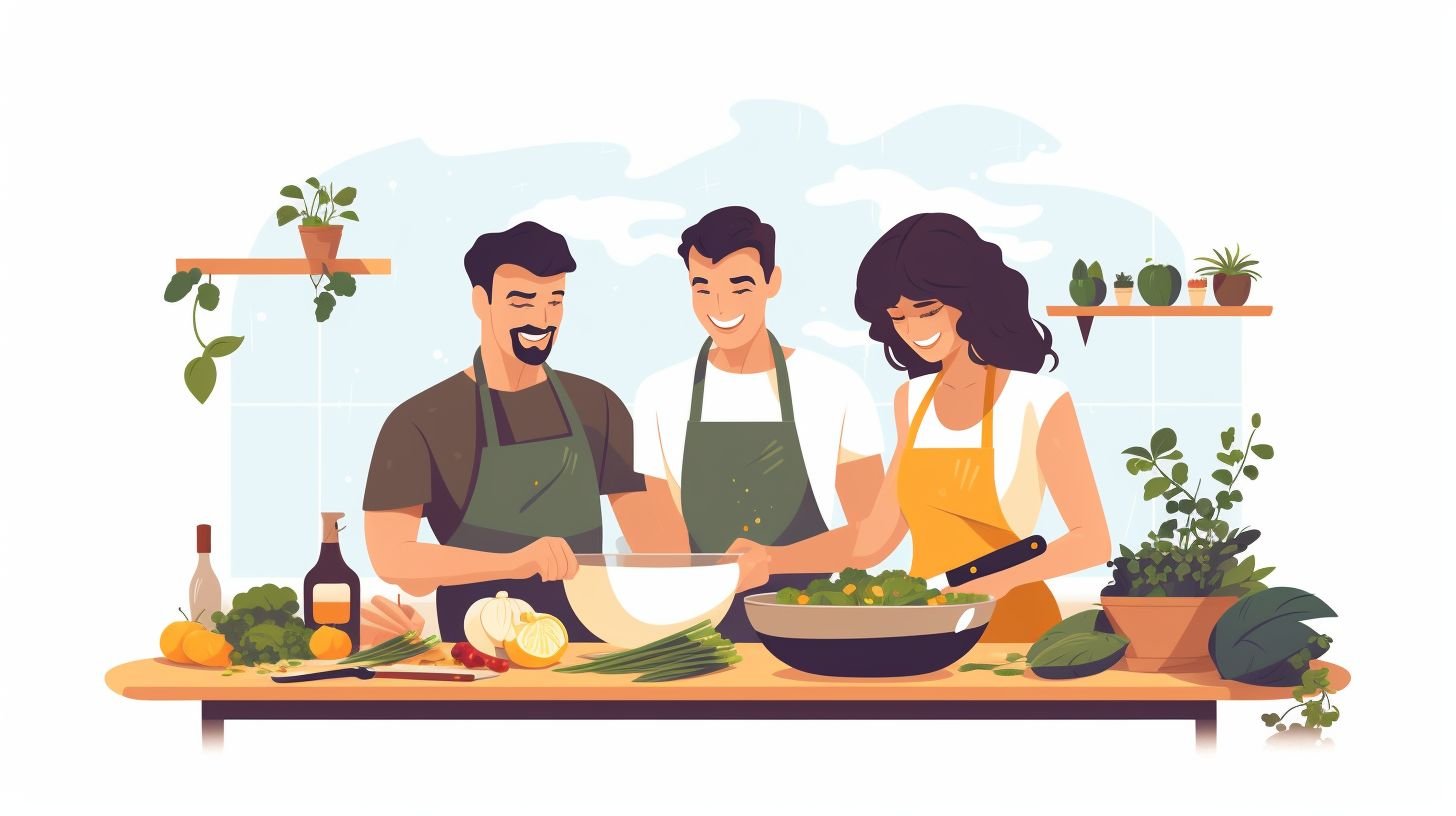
(1061,454)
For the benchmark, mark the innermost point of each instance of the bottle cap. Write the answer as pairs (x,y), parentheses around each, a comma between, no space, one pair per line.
(331,527)
(204,538)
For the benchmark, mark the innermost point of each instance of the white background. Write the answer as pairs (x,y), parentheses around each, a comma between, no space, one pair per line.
(1318,133)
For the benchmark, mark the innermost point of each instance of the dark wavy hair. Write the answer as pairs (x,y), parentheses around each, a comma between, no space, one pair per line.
(939,256)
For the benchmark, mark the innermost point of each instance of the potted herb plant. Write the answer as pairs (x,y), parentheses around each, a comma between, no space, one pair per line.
(1166,596)
(1159,284)
(320,237)
(1122,288)
(1233,275)
(1087,287)
(1197,290)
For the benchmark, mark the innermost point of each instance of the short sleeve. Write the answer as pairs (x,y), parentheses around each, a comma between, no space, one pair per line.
(647,445)
(1044,393)
(861,434)
(399,473)
(616,473)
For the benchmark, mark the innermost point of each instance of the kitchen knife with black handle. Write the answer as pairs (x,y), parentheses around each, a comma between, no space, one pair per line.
(991,563)
(366,673)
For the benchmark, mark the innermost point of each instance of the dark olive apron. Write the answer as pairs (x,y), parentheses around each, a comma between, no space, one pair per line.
(747,480)
(521,492)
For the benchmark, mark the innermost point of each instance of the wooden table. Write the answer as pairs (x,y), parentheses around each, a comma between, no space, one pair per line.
(760,687)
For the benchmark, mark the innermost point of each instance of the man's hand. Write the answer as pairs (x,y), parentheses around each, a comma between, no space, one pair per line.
(753,563)
(549,556)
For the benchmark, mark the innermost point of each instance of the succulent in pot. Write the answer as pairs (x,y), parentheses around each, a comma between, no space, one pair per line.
(1233,275)
(1166,595)
(1122,288)
(1197,290)
(1087,287)
(1159,284)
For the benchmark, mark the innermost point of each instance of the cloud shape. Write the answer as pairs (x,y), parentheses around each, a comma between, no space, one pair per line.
(609,219)
(898,196)
(836,335)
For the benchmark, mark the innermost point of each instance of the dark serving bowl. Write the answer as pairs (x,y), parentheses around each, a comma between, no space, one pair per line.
(867,641)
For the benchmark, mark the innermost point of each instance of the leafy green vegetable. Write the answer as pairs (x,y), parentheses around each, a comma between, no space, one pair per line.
(696,650)
(1092,620)
(855,587)
(1079,649)
(263,626)
(1261,639)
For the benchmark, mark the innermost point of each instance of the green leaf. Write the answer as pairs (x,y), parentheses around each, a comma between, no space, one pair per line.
(1236,495)
(345,197)
(1171,507)
(1223,476)
(222,346)
(1166,530)
(312,182)
(1163,441)
(312,221)
(342,284)
(287,213)
(1012,657)
(1009,672)
(1172,455)
(181,284)
(1263,451)
(1180,472)
(1093,651)
(1079,269)
(323,196)
(1139,452)
(1251,471)
(1264,629)
(1257,420)
(323,306)
(208,296)
(1155,486)
(978,666)
(349,214)
(291,191)
(1261,573)
(1134,466)
(1094,271)
(1227,438)
(1091,620)
(200,376)
(1205,508)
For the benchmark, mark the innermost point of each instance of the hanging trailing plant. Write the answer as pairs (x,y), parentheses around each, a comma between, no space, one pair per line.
(339,283)
(200,375)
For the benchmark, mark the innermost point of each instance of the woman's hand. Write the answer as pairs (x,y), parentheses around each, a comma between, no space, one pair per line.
(997,586)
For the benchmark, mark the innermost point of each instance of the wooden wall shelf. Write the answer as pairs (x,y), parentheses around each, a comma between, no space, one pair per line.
(283,266)
(1085,314)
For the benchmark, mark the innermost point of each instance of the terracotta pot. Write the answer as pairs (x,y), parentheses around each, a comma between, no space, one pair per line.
(321,243)
(1124,295)
(1166,634)
(1231,290)
(1196,294)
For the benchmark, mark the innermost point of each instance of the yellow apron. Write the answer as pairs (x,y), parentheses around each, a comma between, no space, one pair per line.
(948,497)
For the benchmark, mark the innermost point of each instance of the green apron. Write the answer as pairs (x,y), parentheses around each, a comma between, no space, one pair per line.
(521,492)
(747,480)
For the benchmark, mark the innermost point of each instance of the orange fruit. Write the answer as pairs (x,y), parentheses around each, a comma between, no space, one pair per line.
(329,643)
(173,636)
(207,648)
(540,641)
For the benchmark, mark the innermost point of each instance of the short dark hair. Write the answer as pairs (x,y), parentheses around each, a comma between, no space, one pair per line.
(727,230)
(527,244)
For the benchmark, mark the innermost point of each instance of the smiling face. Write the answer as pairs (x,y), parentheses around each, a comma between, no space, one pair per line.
(927,326)
(730,297)
(523,311)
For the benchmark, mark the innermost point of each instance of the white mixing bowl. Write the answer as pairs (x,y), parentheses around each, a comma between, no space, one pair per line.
(631,599)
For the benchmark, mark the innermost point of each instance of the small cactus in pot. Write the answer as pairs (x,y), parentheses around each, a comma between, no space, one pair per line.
(1122,288)
(1087,287)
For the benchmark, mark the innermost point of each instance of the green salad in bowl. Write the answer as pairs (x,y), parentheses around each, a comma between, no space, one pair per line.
(856,587)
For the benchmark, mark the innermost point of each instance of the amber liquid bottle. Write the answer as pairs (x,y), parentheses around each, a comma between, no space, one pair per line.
(331,589)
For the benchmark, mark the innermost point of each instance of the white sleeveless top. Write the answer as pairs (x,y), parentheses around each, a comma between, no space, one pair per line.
(1020,412)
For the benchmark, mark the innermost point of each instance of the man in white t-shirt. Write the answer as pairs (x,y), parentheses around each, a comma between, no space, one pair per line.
(752,440)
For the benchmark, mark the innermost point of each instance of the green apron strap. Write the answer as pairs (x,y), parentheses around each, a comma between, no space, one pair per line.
(781,369)
(487,407)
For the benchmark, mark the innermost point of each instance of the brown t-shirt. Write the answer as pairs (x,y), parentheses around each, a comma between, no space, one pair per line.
(427,447)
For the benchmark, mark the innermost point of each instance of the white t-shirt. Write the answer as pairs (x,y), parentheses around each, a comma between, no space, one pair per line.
(833,413)
(1017,419)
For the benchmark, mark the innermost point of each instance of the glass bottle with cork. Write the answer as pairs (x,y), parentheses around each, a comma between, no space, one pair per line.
(204,592)
(331,588)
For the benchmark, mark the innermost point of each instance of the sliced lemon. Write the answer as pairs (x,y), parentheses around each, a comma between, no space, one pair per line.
(540,641)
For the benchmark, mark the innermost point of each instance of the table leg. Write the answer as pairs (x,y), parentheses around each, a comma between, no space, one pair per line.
(1205,731)
(211,734)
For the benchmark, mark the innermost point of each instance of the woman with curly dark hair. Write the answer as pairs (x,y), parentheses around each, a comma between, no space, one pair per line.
(982,433)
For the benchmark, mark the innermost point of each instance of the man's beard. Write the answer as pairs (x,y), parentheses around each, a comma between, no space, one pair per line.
(528,354)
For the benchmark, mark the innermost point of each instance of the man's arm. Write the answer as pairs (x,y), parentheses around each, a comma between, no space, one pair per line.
(418,567)
(650,519)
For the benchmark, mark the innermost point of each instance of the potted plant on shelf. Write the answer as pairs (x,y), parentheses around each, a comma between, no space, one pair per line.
(320,237)
(1087,287)
(1122,288)
(1159,284)
(1233,275)
(1197,290)
(1166,596)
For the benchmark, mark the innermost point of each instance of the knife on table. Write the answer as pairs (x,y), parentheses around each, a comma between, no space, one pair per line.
(993,562)
(366,673)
